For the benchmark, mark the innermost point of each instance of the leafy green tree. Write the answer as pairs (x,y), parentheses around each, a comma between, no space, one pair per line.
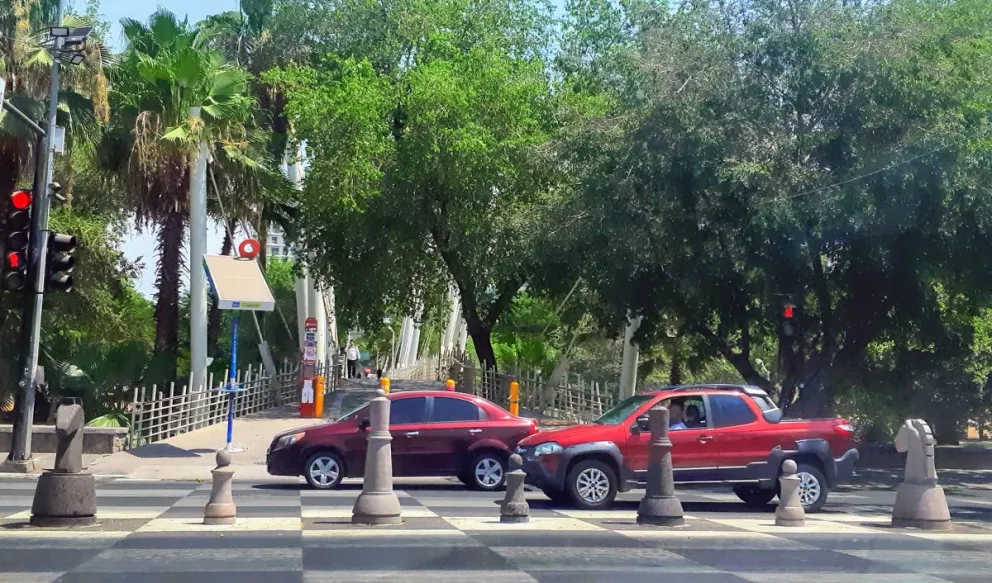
(162,73)
(432,157)
(829,154)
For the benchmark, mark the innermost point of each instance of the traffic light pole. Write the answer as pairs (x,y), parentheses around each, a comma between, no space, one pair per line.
(20,449)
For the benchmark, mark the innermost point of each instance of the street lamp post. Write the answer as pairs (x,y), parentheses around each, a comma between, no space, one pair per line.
(65,42)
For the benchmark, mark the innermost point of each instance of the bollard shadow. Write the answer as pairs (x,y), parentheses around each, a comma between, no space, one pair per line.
(164,450)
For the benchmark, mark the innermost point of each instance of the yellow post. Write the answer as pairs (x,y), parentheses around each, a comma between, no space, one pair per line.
(450,384)
(384,385)
(318,397)
(515,398)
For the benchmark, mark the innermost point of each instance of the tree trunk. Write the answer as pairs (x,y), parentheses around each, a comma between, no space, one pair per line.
(482,339)
(813,401)
(170,247)
(214,321)
(675,372)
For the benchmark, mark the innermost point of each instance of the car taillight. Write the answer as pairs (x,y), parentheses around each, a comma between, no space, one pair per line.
(844,428)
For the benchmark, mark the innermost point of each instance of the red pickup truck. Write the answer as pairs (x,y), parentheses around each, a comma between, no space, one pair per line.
(728,434)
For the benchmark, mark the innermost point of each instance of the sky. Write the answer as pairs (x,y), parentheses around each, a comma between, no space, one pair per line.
(143,245)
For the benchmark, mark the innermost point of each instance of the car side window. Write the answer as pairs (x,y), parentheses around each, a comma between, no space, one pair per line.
(447,409)
(403,411)
(731,410)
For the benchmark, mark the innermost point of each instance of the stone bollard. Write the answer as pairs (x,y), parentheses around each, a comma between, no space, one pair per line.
(659,506)
(66,495)
(790,508)
(920,502)
(220,509)
(515,507)
(378,504)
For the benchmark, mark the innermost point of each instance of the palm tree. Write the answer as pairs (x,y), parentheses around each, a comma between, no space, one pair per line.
(164,71)
(26,66)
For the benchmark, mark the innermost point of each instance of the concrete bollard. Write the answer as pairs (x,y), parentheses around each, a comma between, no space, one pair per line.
(515,507)
(220,509)
(790,508)
(66,495)
(920,502)
(660,506)
(378,504)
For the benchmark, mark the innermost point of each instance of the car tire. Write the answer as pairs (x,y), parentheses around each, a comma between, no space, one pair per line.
(324,470)
(487,471)
(754,496)
(813,488)
(591,484)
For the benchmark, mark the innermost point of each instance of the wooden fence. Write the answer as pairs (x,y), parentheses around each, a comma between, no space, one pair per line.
(158,413)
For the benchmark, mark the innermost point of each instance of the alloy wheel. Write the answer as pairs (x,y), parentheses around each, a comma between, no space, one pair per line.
(488,472)
(809,488)
(592,485)
(324,471)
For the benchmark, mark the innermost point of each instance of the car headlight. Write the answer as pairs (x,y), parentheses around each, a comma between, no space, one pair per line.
(288,440)
(548,448)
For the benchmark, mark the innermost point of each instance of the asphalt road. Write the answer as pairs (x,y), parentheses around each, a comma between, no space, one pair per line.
(150,531)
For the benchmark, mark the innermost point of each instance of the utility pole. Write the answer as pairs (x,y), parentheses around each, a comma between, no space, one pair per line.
(20,458)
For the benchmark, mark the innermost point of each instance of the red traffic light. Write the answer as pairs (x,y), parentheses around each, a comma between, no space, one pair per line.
(14,260)
(788,311)
(20,200)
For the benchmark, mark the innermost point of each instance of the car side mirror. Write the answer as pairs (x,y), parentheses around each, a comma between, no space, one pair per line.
(364,424)
(643,423)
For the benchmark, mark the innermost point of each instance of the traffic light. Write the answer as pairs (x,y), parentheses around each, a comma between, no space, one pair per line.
(60,262)
(17,236)
(788,319)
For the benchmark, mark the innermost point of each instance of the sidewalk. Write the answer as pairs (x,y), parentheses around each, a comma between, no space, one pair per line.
(191,456)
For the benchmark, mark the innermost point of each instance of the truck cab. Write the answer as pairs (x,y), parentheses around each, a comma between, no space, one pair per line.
(720,434)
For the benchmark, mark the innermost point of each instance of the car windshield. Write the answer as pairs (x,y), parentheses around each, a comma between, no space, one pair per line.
(623,410)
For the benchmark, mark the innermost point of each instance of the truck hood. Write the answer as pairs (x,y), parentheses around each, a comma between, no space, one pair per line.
(572,435)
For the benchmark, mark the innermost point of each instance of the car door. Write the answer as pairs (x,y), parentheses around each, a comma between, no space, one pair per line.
(444,441)
(695,456)
(407,418)
(742,440)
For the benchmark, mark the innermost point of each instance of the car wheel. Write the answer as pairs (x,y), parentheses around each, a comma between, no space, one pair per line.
(754,496)
(488,471)
(812,487)
(591,485)
(324,470)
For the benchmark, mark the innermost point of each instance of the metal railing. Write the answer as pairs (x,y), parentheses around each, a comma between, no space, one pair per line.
(158,414)
(577,401)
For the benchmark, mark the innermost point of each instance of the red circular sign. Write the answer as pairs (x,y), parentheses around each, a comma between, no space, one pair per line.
(249,248)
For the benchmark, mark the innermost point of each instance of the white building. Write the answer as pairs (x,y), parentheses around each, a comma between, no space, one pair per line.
(277,245)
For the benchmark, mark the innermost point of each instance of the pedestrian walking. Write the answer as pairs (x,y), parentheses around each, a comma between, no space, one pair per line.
(352,353)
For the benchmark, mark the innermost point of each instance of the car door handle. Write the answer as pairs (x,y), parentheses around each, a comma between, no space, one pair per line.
(704,438)
(412,433)
(475,431)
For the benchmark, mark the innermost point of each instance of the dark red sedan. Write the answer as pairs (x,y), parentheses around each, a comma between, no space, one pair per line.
(435,433)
